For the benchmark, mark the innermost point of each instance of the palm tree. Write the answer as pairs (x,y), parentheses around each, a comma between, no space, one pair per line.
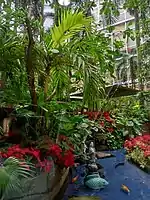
(60,54)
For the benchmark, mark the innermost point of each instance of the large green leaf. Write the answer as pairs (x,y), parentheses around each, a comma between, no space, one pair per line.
(71,24)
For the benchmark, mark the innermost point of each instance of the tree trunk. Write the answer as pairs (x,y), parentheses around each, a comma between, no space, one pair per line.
(29,67)
(138,43)
(57,12)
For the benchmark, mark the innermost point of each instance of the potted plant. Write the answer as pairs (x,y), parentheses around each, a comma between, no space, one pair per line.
(51,162)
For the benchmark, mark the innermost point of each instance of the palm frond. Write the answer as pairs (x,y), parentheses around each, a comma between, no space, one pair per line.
(12,173)
(93,86)
(60,79)
(71,24)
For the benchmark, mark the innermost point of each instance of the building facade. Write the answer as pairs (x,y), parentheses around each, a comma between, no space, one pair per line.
(127,73)
(120,24)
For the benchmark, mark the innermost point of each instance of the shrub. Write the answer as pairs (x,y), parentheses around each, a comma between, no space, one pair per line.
(138,149)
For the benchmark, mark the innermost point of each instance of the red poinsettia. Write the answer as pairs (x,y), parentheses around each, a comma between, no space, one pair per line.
(110,130)
(141,142)
(93,115)
(63,157)
(67,159)
(102,124)
(147,153)
(20,153)
(55,150)
(107,117)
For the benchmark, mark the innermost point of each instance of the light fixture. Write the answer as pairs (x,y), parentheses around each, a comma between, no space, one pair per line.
(64,2)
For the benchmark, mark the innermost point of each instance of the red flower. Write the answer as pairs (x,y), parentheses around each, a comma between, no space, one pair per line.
(92,115)
(128,144)
(102,124)
(96,115)
(107,117)
(147,154)
(63,158)
(4,155)
(142,146)
(146,138)
(34,152)
(10,133)
(106,114)
(67,159)
(110,130)
(142,142)
(55,150)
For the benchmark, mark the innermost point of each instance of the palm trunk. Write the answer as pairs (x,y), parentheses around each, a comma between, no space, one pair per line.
(47,72)
(29,67)
(57,12)
(138,43)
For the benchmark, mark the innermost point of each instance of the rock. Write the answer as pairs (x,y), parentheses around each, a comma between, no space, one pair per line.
(103,155)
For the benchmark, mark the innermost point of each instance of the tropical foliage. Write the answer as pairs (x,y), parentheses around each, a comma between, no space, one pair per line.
(41,69)
(57,62)
(119,119)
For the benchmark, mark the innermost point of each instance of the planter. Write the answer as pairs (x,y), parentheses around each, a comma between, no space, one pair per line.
(44,187)
(58,181)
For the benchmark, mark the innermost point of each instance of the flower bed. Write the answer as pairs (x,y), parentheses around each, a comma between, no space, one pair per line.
(51,161)
(108,135)
(40,153)
(138,149)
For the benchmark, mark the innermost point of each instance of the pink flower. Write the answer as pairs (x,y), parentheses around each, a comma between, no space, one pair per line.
(46,165)
(146,138)
(128,144)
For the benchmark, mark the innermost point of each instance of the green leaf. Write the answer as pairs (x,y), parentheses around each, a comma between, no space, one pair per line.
(130,123)
(71,24)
